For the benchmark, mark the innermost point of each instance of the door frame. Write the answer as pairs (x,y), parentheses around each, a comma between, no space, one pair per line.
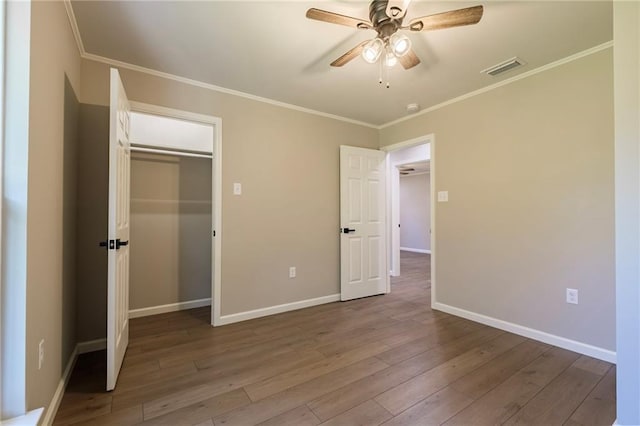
(216,188)
(421,140)
(394,211)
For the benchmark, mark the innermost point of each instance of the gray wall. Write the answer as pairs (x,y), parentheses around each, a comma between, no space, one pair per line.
(170,230)
(69,217)
(415,212)
(529,170)
(93,189)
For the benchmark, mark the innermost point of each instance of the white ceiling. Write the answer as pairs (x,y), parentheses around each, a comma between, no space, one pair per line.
(269,49)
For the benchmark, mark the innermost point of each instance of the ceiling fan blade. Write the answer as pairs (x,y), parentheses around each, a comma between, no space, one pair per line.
(334,18)
(453,18)
(396,9)
(409,59)
(351,54)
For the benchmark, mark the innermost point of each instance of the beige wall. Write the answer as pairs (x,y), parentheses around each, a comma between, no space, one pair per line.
(170,230)
(529,170)
(415,211)
(51,199)
(287,162)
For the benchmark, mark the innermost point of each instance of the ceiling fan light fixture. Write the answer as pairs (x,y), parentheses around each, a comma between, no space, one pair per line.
(390,59)
(400,44)
(372,50)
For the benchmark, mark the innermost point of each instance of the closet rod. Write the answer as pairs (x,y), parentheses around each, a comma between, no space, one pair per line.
(165,151)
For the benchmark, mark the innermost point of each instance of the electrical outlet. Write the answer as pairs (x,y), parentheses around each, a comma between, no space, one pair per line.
(292,272)
(443,196)
(572,296)
(40,354)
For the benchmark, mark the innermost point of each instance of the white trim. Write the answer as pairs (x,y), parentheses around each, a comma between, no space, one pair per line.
(415,250)
(120,64)
(173,113)
(31,418)
(3,106)
(393,174)
(91,346)
(112,62)
(432,206)
(212,87)
(52,409)
(562,342)
(272,310)
(216,196)
(171,307)
(74,26)
(513,79)
(216,291)
(420,140)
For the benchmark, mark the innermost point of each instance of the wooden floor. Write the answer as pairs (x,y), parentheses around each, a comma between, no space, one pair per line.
(381,360)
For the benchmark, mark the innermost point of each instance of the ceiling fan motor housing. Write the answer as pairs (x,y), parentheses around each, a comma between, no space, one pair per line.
(383,24)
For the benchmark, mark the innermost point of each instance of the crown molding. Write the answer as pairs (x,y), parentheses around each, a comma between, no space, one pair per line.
(513,79)
(196,83)
(212,87)
(208,86)
(74,26)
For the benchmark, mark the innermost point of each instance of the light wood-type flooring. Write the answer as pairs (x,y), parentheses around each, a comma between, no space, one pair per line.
(380,360)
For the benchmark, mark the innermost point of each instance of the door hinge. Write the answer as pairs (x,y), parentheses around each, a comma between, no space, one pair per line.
(214,232)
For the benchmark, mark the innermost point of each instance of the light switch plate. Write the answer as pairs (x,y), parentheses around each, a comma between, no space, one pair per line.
(237,189)
(443,196)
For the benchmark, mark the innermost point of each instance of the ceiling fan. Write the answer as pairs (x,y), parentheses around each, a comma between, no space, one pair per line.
(386,18)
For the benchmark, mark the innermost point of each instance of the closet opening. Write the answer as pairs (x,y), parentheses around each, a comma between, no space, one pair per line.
(174,211)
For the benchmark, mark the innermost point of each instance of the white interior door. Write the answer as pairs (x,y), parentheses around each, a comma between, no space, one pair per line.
(363,252)
(118,243)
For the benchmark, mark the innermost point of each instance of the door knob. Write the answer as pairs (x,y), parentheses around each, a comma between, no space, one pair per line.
(347,230)
(121,243)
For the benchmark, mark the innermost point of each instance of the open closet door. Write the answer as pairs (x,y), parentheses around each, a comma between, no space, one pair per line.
(118,243)
(363,249)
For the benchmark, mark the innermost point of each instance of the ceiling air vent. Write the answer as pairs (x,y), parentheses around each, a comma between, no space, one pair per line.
(504,66)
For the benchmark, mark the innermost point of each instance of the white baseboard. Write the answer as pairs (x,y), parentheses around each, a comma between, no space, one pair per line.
(415,250)
(272,310)
(92,346)
(172,307)
(52,409)
(29,419)
(562,342)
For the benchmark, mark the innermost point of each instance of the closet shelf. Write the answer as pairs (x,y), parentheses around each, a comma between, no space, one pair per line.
(155,201)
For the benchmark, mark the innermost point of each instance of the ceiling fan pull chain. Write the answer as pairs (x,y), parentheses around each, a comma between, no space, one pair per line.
(380,72)
(386,72)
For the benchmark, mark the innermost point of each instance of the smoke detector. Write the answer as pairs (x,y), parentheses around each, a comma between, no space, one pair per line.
(413,108)
(505,66)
